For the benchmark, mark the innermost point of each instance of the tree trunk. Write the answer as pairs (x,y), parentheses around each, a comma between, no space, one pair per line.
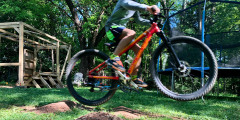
(77,24)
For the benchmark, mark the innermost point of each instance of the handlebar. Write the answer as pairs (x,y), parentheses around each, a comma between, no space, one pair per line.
(156,17)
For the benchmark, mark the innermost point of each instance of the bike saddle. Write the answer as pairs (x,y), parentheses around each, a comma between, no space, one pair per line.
(111,46)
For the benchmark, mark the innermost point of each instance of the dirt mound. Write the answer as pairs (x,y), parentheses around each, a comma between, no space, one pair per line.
(67,105)
(61,106)
(132,114)
(99,116)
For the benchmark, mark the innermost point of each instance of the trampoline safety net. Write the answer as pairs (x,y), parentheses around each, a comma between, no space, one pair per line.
(222,29)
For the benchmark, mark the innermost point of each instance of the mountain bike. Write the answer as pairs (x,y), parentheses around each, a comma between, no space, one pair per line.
(175,73)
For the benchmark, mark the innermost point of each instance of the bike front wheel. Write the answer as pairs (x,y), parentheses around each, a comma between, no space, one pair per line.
(197,76)
(87,90)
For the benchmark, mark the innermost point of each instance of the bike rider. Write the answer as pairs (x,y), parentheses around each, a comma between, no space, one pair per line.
(116,30)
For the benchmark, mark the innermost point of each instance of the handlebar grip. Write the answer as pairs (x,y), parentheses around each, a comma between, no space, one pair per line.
(153,9)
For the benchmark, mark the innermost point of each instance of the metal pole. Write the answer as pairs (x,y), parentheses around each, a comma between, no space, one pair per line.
(202,60)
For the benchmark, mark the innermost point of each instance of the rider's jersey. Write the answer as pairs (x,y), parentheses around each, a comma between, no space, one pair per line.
(124,10)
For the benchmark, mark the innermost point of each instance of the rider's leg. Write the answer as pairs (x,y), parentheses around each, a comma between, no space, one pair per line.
(125,38)
(135,49)
(136,80)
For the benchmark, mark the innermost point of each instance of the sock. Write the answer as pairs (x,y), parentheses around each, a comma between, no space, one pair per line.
(113,56)
(133,77)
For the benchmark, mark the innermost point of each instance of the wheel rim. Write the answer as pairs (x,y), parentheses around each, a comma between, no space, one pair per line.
(90,90)
(190,82)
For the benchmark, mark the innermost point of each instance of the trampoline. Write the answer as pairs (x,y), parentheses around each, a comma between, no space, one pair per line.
(218,27)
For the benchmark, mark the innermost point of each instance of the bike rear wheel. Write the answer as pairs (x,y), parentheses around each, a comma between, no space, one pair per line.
(90,91)
(195,80)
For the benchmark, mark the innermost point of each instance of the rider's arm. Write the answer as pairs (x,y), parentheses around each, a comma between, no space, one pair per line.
(139,20)
(131,5)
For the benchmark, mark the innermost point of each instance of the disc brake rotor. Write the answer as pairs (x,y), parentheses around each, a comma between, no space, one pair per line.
(184,71)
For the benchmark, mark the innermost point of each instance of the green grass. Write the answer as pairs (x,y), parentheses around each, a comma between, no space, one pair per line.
(147,101)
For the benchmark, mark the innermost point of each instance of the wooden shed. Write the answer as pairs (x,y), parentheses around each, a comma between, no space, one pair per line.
(27,35)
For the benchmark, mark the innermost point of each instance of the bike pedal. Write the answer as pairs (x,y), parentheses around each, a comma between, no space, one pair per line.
(134,85)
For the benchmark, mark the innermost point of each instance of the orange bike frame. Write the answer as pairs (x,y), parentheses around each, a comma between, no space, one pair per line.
(148,34)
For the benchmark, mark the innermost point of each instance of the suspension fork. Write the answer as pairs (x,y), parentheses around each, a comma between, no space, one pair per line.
(170,48)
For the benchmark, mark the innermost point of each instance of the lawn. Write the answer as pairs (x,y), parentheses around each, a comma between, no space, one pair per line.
(226,107)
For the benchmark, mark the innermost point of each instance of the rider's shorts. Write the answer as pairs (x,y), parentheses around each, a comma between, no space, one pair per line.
(115,32)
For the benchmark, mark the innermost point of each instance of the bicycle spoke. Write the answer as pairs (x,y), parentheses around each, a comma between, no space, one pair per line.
(194,71)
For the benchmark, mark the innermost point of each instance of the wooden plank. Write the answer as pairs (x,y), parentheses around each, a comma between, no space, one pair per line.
(24,72)
(29,65)
(44,82)
(26,39)
(53,82)
(29,55)
(21,55)
(40,38)
(9,64)
(59,82)
(53,47)
(16,29)
(52,60)
(27,75)
(28,72)
(32,32)
(48,74)
(66,59)
(30,51)
(29,68)
(28,60)
(58,60)
(28,80)
(44,34)
(35,62)
(59,86)
(8,26)
(36,78)
(0,42)
(35,83)
(69,56)
(12,39)
(9,23)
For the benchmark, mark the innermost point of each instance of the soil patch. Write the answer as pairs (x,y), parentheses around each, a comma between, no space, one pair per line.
(67,105)
(61,106)
(132,114)
(99,116)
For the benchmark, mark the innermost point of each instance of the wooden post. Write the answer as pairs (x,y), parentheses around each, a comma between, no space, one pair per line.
(35,83)
(0,43)
(35,61)
(52,60)
(45,82)
(57,58)
(21,67)
(67,57)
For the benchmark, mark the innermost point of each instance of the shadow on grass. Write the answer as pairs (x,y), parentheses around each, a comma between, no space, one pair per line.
(32,96)
(151,101)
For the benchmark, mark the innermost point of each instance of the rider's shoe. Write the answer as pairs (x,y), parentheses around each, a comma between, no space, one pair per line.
(140,83)
(116,64)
